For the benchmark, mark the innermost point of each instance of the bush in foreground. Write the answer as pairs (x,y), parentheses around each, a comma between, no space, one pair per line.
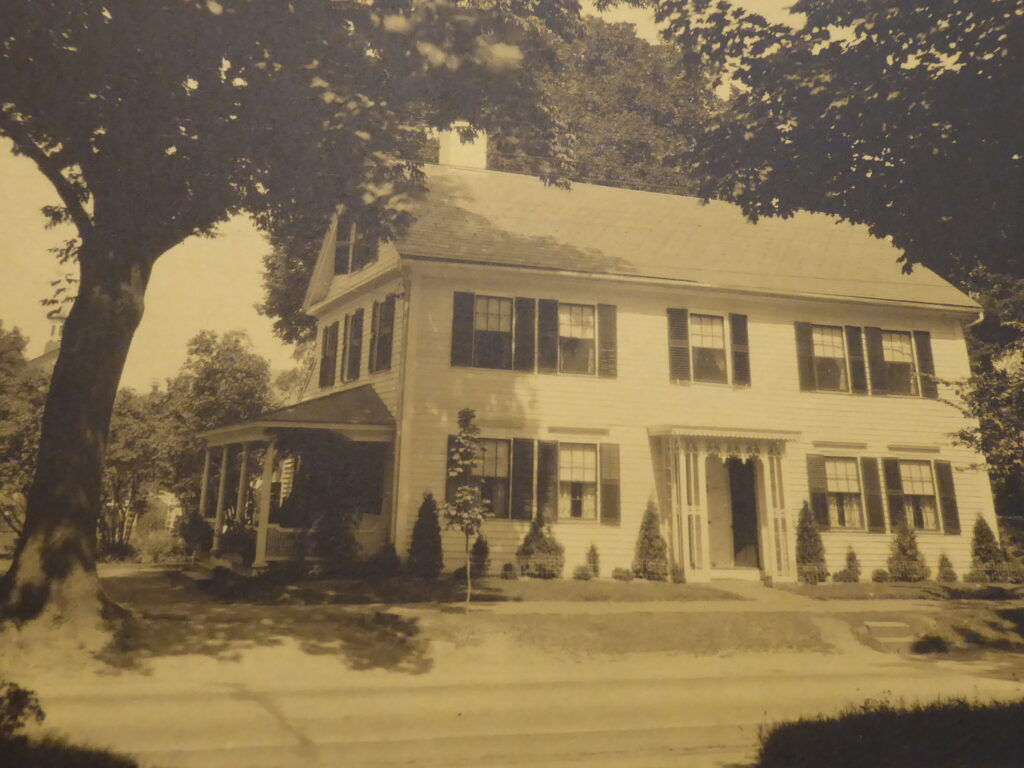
(594,561)
(480,557)
(946,574)
(622,574)
(906,563)
(651,559)
(851,573)
(583,573)
(949,734)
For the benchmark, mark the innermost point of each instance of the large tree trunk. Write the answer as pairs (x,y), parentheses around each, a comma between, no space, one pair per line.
(53,576)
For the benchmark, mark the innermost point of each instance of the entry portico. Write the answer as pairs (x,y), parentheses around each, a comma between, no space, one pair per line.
(726,509)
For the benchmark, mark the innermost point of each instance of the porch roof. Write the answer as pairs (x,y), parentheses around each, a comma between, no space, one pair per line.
(724,433)
(357,413)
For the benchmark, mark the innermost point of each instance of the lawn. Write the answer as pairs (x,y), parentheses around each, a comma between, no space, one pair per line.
(923,590)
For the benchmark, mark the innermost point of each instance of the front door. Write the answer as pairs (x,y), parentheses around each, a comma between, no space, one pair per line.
(743,493)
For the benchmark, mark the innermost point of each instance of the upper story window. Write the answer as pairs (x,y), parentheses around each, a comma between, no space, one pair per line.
(352,344)
(576,338)
(834,358)
(845,507)
(526,334)
(492,472)
(328,355)
(492,332)
(698,348)
(382,334)
(355,246)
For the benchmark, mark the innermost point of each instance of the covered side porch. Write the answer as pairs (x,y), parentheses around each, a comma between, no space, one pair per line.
(267,482)
(724,502)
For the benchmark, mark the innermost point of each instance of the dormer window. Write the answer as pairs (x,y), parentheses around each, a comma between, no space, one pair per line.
(354,248)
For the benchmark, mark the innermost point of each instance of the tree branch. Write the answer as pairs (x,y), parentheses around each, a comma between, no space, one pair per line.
(51,170)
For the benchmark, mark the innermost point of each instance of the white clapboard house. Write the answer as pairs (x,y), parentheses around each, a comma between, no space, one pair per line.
(622,347)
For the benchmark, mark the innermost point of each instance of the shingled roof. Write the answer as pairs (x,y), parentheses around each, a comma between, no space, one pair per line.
(509,219)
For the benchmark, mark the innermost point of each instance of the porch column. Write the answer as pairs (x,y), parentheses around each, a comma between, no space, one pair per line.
(263,513)
(204,491)
(243,485)
(222,491)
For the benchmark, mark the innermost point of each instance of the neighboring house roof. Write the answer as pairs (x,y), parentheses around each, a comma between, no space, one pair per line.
(492,217)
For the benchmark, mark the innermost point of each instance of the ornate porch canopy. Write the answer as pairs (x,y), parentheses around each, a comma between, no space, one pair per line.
(728,441)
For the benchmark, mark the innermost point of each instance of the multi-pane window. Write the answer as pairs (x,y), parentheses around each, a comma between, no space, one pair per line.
(919,494)
(845,505)
(492,330)
(492,471)
(707,338)
(829,358)
(577,480)
(354,248)
(898,354)
(576,337)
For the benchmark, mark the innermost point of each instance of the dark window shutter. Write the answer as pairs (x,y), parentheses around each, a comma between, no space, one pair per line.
(547,479)
(610,495)
(371,363)
(329,355)
(608,341)
(547,336)
(342,245)
(386,334)
(926,364)
(805,356)
(872,494)
(355,350)
(525,342)
(818,489)
(678,345)
(894,492)
(855,353)
(462,328)
(740,350)
(522,479)
(450,482)
(876,361)
(947,498)
(346,342)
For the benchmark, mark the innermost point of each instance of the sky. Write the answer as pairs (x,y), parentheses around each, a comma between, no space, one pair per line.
(201,284)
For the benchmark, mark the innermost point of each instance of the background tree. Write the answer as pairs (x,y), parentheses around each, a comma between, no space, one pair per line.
(465,511)
(155,121)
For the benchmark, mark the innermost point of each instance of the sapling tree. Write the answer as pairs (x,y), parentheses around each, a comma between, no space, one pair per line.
(465,510)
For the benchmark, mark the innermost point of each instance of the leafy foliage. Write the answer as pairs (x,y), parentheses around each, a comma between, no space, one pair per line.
(851,573)
(540,555)
(382,564)
(480,556)
(810,550)
(863,112)
(906,563)
(196,534)
(946,574)
(622,574)
(651,558)
(582,573)
(426,555)
(594,560)
(465,512)
(17,707)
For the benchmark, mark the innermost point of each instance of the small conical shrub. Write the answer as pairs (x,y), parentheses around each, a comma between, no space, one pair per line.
(946,573)
(810,551)
(987,557)
(851,573)
(906,563)
(480,556)
(651,559)
(426,557)
(594,561)
(540,555)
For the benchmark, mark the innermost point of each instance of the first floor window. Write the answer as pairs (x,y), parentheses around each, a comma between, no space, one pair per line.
(829,358)
(845,509)
(919,495)
(898,354)
(492,332)
(492,472)
(707,337)
(577,480)
(576,336)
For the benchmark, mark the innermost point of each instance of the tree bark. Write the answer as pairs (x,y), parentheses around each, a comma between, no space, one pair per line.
(53,575)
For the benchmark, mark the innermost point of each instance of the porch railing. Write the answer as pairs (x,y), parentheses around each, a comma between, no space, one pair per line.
(284,543)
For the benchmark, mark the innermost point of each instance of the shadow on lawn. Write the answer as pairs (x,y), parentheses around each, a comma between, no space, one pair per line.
(171,618)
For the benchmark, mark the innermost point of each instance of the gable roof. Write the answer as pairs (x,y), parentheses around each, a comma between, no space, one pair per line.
(492,217)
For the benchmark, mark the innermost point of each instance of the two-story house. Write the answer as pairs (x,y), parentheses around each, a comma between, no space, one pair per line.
(621,347)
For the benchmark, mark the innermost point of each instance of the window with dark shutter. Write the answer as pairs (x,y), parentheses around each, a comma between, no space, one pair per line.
(678,345)
(817,486)
(329,355)
(383,334)
(525,346)
(610,496)
(876,361)
(342,245)
(462,328)
(547,336)
(926,364)
(522,479)
(858,369)
(492,332)
(371,363)
(354,347)
(873,495)
(346,330)
(740,350)
(547,479)
(607,339)
(894,493)
(805,356)
(947,498)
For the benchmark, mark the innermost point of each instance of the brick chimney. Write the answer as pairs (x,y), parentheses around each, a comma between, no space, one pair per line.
(472,154)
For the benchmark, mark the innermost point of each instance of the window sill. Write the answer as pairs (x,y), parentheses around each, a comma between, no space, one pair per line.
(695,383)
